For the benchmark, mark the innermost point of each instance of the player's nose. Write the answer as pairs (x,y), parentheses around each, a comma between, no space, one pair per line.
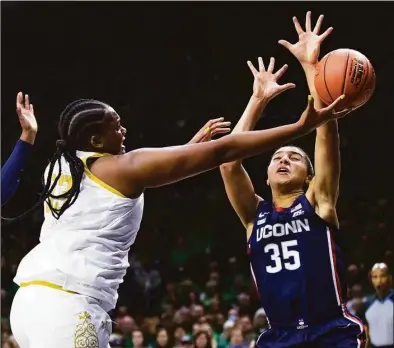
(284,160)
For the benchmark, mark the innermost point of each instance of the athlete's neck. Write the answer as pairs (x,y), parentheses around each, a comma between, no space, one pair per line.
(285,200)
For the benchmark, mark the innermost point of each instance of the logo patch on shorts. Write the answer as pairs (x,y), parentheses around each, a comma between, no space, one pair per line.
(85,333)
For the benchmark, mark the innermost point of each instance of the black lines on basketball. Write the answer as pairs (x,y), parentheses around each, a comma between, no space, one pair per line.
(324,77)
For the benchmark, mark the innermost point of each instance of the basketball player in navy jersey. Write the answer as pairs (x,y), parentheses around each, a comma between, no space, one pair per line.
(296,265)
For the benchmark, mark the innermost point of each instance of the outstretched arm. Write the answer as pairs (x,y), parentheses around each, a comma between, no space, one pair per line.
(324,188)
(145,168)
(239,187)
(10,173)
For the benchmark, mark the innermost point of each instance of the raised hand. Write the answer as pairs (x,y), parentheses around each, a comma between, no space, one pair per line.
(25,112)
(307,49)
(312,118)
(265,84)
(211,128)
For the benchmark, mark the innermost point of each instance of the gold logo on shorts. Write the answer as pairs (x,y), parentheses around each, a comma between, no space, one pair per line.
(85,333)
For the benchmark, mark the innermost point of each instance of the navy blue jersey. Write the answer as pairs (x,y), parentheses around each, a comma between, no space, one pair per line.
(297,267)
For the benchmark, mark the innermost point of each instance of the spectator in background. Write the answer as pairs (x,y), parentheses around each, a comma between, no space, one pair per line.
(162,339)
(126,326)
(202,340)
(358,302)
(380,313)
(179,334)
(237,339)
(246,327)
(137,338)
(11,171)
(224,338)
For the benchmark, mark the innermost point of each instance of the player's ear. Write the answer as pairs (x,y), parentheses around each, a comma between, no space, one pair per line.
(308,179)
(268,183)
(96,141)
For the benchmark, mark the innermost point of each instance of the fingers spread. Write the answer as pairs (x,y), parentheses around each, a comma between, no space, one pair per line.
(297,26)
(252,68)
(281,71)
(261,64)
(271,65)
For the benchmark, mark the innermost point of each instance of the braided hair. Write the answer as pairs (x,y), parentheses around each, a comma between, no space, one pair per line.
(77,120)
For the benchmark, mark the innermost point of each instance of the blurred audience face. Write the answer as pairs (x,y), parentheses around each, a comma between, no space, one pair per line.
(236,337)
(245,324)
(137,338)
(196,328)
(170,287)
(215,306)
(162,338)
(214,276)
(201,340)
(381,279)
(197,311)
(244,300)
(357,291)
(232,313)
(122,311)
(126,324)
(192,297)
(220,319)
(179,333)
(205,327)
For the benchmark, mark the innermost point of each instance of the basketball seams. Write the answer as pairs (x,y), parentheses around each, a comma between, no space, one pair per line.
(324,77)
(346,74)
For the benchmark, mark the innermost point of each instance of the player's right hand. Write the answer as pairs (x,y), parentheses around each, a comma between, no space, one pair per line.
(312,118)
(265,86)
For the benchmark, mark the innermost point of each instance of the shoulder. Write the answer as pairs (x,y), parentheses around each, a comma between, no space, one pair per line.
(325,209)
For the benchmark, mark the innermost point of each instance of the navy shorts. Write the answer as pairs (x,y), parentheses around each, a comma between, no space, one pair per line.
(338,333)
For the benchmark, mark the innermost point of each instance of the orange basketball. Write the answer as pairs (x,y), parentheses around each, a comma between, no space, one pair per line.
(348,72)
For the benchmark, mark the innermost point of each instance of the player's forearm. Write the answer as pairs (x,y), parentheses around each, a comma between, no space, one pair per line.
(251,115)
(10,173)
(328,131)
(248,120)
(249,144)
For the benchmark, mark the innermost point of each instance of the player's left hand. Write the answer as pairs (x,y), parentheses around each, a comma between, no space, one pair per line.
(307,49)
(211,128)
(25,113)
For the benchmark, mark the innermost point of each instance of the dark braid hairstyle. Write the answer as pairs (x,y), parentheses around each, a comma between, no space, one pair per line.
(79,119)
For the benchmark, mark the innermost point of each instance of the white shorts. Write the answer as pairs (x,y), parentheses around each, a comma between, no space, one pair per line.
(42,317)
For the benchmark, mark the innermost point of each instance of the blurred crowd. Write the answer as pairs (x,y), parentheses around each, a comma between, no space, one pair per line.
(196,295)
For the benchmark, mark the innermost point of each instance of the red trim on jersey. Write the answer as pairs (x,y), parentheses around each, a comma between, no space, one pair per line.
(279,209)
(345,311)
(334,259)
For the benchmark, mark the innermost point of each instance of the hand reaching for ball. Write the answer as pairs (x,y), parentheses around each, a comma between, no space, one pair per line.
(312,118)
(307,49)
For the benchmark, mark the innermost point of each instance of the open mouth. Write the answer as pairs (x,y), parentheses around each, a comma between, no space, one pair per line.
(283,170)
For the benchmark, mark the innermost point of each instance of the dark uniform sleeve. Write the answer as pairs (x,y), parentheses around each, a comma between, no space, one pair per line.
(11,171)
